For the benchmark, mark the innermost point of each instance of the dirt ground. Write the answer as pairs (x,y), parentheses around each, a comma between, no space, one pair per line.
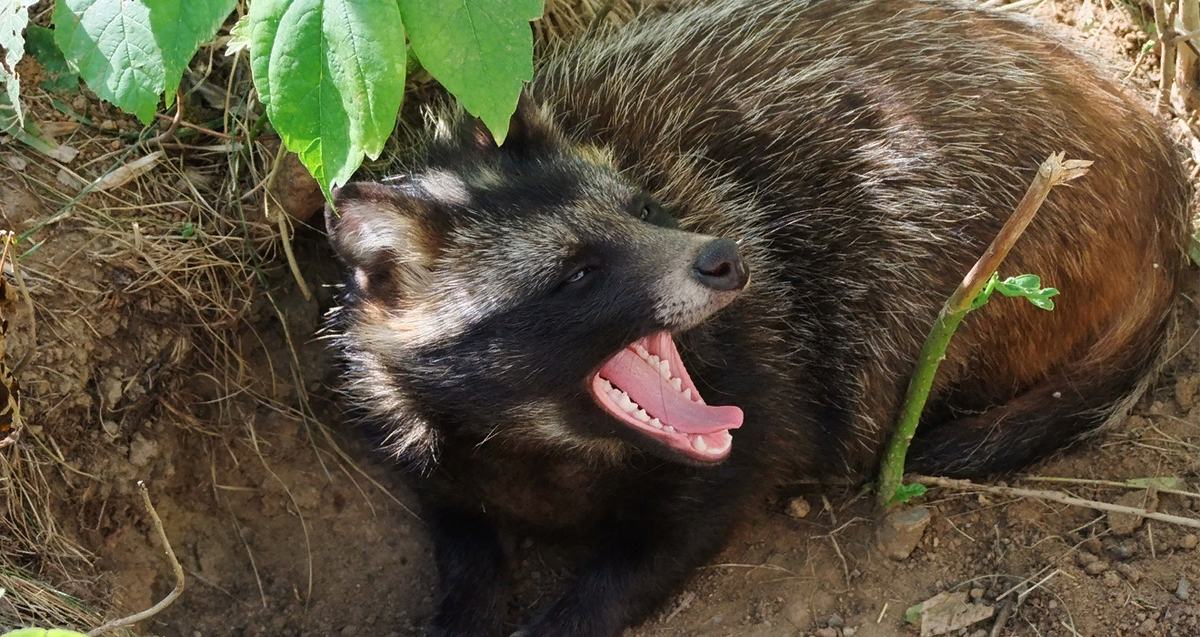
(287,523)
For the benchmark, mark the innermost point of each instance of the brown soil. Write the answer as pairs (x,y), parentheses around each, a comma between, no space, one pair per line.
(288,524)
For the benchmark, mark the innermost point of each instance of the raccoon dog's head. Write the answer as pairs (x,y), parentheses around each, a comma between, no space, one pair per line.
(527,294)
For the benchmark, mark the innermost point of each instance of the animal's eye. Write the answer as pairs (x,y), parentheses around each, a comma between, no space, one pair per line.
(647,211)
(578,275)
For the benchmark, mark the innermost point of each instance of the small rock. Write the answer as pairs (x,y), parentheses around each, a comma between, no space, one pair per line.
(1127,523)
(141,451)
(1188,542)
(1122,551)
(898,534)
(349,631)
(826,632)
(1183,590)
(1092,545)
(1129,572)
(1111,579)
(1147,626)
(849,631)
(980,633)
(1096,568)
(1052,604)
(1085,559)
(112,389)
(798,507)
(976,594)
(835,621)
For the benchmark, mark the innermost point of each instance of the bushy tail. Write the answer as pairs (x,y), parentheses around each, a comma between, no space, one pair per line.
(1079,399)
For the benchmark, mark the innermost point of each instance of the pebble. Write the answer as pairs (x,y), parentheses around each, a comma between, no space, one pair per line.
(1130,573)
(1092,545)
(897,535)
(827,632)
(976,593)
(1184,590)
(1111,580)
(1147,626)
(1085,559)
(798,507)
(1189,541)
(1121,551)
(849,631)
(835,621)
(1096,568)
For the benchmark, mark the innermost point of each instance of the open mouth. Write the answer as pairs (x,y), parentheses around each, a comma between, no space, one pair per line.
(647,387)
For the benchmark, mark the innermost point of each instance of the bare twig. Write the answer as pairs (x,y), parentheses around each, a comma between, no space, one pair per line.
(166,601)
(169,134)
(1052,172)
(1056,496)
(1164,24)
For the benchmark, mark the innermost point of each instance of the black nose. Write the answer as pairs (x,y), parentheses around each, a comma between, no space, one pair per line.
(720,267)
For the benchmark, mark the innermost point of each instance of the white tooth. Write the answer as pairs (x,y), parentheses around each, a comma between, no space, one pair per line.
(656,423)
(698,444)
(626,404)
(607,385)
(641,351)
(687,393)
(669,429)
(677,384)
(664,369)
(642,415)
(653,360)
(615,394)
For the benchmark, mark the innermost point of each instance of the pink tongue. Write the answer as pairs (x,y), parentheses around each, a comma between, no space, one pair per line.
(628,372)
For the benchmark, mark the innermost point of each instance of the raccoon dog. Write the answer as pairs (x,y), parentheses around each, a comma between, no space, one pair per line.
(705,259)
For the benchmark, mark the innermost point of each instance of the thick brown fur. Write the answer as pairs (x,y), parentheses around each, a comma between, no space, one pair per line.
(863,154)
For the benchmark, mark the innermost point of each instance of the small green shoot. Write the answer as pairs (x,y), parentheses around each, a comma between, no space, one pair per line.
(907,492)
(189,229)
(1028,286)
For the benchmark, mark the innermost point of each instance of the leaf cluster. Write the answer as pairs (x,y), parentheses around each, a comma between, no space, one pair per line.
(330,73)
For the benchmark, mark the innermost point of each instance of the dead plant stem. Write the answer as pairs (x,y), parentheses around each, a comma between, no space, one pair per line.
(1056,496)
(166,601)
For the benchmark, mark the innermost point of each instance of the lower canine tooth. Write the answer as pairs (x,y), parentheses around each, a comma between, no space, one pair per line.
(699,445)
(687,393)
(676,383)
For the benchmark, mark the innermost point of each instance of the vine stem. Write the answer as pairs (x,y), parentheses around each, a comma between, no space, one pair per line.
(1052,172)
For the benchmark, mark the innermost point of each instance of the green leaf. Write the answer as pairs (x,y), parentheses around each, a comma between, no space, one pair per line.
(1029,287)
(331,74)
(907,492)
(180,27)
(130,51)
(1194,248)
(14,16)
(912,615)
(1164,482)
(480,50)
(57,74)
(239,36)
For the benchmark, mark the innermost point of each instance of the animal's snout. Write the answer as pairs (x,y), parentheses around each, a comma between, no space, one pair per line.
(719,266)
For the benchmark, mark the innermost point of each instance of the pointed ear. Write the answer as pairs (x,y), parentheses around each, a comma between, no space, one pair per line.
(531,129)
(385,234)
